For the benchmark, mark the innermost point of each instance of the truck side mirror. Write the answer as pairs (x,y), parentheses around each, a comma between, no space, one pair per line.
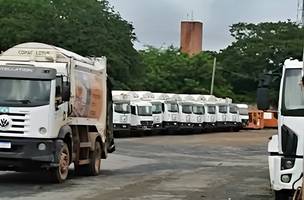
(302,81)
(66,91)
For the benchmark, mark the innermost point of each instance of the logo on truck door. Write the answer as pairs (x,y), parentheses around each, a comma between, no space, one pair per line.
(5,122)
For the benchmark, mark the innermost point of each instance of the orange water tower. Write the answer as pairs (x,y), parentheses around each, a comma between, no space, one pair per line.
(191,37)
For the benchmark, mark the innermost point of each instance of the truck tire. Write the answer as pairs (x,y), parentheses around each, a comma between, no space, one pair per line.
(59,174)
(282,195)
(93,168)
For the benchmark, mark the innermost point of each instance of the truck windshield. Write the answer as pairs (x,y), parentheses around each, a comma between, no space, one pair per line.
(211,109)
(144,110)
(24,92)
(123,108)
(243,111)
(198,110)
(223,109)
(233,109)
(172,107)
(293,93)
(187,109)
(156,108)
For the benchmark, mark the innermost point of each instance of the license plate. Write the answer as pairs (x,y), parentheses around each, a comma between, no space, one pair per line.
(5,145)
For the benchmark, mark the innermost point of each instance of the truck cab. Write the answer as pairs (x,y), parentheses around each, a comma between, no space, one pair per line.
(185,112)
(121,112)
(141,114)
(171,116)
(234,120)
(286,148)
(222,114)
(244,117)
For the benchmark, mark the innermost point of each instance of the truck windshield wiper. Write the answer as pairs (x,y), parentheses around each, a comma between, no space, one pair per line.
(23,101)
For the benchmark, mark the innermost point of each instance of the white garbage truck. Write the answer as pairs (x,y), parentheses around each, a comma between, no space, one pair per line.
(222,106)
(209,102)
(286,148)
(171,116)
(244,116)
(141,113)
(55,109)
(121,113)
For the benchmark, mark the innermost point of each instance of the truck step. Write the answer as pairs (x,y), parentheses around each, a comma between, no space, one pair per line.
(84,162)
(85,144)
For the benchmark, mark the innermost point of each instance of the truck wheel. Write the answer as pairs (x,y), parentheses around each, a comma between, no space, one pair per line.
(59,174)
(282,195)
(93,168)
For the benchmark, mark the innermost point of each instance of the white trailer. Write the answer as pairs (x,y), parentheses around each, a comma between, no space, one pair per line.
(286,148)
(55,109)
(141,113)
(244,117)
(121,112)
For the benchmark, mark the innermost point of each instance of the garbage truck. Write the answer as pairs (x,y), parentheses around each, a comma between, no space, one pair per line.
(55,109)
(286,147)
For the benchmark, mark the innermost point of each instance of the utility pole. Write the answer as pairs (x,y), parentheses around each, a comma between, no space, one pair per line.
(213,75)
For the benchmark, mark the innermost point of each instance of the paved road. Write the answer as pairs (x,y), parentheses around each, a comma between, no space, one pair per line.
(193,167)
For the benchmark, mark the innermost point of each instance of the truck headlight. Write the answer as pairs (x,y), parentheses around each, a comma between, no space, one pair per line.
(287,163)
(286,178)
(42,146)
(42,130)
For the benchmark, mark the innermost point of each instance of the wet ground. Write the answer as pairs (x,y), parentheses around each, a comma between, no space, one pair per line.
(213,166)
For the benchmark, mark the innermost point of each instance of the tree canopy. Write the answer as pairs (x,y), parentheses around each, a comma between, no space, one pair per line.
(169,70)
(257,49)
(90,28)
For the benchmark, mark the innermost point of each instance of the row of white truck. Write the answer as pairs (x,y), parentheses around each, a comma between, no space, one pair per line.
(138,111)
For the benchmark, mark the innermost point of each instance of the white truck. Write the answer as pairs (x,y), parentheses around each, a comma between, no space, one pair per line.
(286,148)
(141,114)
(234,121)
(209,102)
(185,112)
(244,117)
(55,109)
(157,111)
(222,114)
(171,116)
(121,112)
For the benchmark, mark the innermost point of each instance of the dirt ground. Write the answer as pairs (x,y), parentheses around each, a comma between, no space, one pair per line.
(212,166)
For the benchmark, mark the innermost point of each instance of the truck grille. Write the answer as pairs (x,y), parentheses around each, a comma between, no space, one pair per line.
(20,123)
(146,123)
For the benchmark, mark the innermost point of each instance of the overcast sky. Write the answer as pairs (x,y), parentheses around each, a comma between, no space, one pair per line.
(157,22)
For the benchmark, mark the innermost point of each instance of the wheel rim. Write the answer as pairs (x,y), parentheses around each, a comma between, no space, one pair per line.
(64,163)
(97,158)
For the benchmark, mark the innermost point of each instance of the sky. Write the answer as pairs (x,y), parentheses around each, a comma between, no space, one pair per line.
(157,22)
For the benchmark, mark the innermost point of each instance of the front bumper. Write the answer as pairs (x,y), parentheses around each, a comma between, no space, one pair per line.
(121,127)
(157,126)
(222,124)
(24,154)
(210,125)
(276,172)
(185,125)
(171,125)
(141,128)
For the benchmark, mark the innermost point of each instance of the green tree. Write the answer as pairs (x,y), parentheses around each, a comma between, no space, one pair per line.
(87,27)
(170,71)
(257,49)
